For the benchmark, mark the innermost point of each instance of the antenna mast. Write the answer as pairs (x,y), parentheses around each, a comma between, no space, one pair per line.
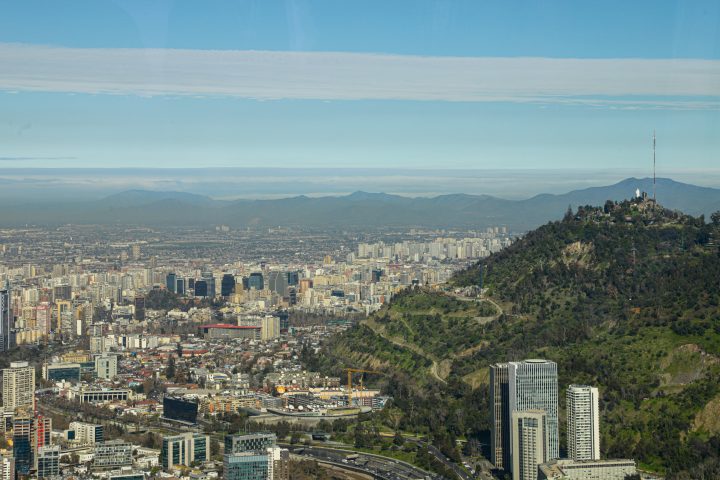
(654,199)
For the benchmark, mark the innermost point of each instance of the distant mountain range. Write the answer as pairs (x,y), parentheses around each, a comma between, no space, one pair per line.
(142,207)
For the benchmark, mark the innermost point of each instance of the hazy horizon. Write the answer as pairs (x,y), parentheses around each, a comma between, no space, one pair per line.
(28,184)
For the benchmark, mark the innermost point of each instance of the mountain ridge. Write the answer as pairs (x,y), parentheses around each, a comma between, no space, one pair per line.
(623,297)
(359,209)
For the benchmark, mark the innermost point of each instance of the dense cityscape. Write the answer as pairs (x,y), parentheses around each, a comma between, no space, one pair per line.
(135,333)
(343,240)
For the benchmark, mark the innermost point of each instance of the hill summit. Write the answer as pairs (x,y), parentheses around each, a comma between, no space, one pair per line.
(623,297)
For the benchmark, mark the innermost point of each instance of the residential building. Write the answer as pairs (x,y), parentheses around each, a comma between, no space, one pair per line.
(7,467)
(278,463)
(19,387)
(530,443)
(583,423)
(269,327)
(7,322)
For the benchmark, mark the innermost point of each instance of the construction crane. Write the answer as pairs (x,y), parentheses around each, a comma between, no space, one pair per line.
(350,372)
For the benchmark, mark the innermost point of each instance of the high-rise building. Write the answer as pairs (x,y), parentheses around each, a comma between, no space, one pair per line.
(533,385)
(293,278)
(249,443)
(278,463)
(200,288)
(62,293)
(255,281)
(184,449)
(269,327)
(255,457)
(171,282)
(529,443)
(583,423)
(136,251)
(106,366)
(43,430)
(139,303)
(227,285)
(246,466)
(499,416)
(48,461)
(7,467)
(277,282)
(180,286)
(19,387)
(7,323)
(210,281)
(23,444)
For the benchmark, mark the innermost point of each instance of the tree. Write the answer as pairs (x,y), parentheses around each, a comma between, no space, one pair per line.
(715,217)
(170,370)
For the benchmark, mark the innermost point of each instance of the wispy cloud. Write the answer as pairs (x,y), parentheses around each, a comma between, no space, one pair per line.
(618,83)
(23,159)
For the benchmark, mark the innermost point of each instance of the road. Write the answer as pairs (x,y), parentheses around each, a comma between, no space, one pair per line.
(382,468)
(459,471)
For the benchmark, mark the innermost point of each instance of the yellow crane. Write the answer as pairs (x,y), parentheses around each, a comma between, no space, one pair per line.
(350,372)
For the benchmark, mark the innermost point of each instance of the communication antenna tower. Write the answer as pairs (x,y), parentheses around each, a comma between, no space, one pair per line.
(654,199)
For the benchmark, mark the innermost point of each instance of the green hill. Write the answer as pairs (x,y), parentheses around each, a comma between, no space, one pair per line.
(623,297)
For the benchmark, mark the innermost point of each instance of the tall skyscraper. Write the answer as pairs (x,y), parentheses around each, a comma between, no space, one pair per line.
(529,443)
(227,285)
(255,280)
(7,339)
(533,385)
(499,416)
(255,457)
(19,387)
(171,282)
(139,303)
(23,444)
(277,282)
(583,422)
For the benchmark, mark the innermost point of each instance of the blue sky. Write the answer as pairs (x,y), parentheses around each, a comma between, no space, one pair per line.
(402,84)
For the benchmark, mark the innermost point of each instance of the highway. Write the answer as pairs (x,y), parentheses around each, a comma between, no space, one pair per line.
(381,468)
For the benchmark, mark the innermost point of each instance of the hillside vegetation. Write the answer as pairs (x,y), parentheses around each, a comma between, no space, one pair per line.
(623,297)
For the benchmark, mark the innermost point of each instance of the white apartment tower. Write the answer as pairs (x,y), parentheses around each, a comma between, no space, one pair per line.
(583,420)
(269,327)
(19,387)
(529,443)
(106,366)
(533,385)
